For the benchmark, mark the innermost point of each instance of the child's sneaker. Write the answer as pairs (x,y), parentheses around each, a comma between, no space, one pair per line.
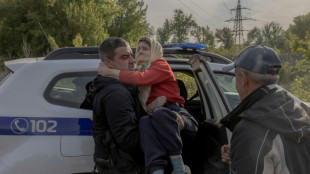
(187,169)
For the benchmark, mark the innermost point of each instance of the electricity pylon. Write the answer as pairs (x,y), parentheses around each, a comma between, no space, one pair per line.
(238,28)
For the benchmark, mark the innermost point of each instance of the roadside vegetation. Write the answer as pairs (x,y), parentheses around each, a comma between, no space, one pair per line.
(33,28)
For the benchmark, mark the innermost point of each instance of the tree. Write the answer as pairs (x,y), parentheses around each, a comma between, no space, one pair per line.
(273,35)
(301,80)
(204,35)
(301,46)
(301,26)
(181,26)
(131,24)
(254,37)
(300,90)
(47,24)
(150,30)
(299,34)
(90,19)
(78,40)
(18,23)
(225,37)
(163,33)
(300,73)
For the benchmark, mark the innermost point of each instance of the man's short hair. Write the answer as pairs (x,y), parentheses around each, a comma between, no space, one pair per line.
(109,45)
(258,78)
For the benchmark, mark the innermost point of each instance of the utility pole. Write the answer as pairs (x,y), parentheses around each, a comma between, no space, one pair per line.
(238,28)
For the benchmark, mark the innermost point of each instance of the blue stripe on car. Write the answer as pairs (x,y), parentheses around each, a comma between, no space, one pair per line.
(45,126)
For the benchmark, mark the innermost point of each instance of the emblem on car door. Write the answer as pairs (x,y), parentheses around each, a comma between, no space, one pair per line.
(19,125)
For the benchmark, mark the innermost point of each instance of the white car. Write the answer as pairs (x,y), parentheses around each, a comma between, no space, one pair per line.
(43,128)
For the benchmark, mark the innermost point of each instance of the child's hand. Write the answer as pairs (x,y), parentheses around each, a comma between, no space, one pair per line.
(103,70)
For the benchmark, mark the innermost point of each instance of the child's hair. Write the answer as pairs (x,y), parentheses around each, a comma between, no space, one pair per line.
(156,48)
(145,39)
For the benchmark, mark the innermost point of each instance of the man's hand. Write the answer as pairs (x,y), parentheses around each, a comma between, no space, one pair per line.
(225,150)
(180,121)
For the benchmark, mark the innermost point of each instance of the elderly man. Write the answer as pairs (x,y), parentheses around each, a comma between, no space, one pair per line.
(270,130)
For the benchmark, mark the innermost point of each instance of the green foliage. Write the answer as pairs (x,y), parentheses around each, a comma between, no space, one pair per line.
(130,23)
(52,42)
(78,40)
(89,18)
(296,78)
(164,33)
(229,53)
(19,21)
(301,26)
(181,26)
(1,64)
(254,37)
(176,29)
(225,37)
(300,89)
(150,31)
(302,68)
(44,25)
(204,36)
(300,46)
(273,35)
(285,75)
(189,82)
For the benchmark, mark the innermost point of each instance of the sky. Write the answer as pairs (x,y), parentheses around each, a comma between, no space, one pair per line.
(214,12)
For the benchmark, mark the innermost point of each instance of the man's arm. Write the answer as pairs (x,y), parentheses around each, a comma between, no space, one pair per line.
(119,107)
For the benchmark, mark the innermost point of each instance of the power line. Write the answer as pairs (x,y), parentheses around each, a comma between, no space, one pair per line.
(46,35)
(194,12)
(225,4)
(204,10)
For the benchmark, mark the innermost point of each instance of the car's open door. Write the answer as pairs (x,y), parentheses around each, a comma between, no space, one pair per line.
(205,152)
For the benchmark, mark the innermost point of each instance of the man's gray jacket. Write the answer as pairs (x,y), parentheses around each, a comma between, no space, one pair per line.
(271,134)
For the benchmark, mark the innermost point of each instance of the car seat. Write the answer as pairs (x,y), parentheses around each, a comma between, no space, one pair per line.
(183,90)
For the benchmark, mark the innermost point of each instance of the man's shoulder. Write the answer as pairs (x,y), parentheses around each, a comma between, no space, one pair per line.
(116,88)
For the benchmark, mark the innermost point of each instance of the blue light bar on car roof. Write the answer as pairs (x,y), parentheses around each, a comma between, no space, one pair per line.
(186,45)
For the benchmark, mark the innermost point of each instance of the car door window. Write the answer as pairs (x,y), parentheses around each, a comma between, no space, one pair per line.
(189,84)
(68,89)
(228,84)
(189,91)
(213,103)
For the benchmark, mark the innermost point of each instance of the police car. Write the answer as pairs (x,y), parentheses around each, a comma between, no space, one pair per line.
(44,127)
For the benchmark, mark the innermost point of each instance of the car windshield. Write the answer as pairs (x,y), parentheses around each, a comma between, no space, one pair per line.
(4,75)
